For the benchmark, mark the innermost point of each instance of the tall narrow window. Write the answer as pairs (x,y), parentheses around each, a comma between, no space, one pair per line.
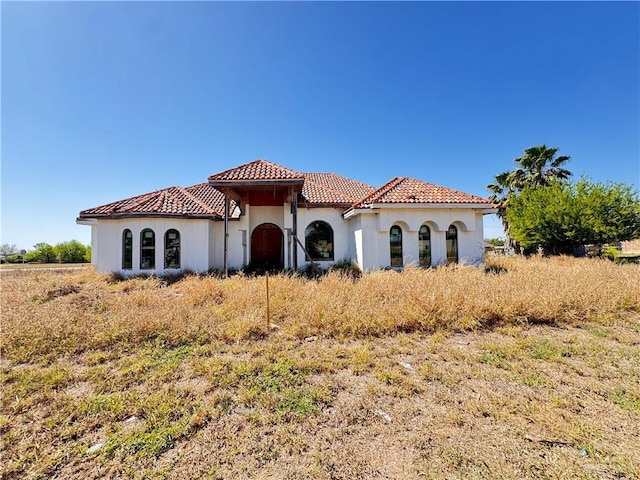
(452,244)
(172,249)
(127,250)
(424,246)
(147,249)
(318,239)
(395,246)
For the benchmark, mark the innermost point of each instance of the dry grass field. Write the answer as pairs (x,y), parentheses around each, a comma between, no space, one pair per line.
(527,369)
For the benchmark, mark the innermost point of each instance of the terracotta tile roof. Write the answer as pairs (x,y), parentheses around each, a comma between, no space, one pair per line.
(257,170)
(410,190)
(319,189)
(332,189)
(200,200)
(213,198)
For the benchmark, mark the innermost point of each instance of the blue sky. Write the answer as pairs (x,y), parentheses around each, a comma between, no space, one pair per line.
(105,100)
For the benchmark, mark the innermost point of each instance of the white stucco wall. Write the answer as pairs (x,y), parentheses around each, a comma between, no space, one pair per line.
(341,235)
(365,243)
(371,235)
(106,244)
(238,254)
(363,238)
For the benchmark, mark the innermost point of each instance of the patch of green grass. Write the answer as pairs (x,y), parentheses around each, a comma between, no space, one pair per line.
(109,407)
(598,331)
(496,358)
(165,416)
(279,387)
(550,351)
(219,371)
(32,379)
(298,402)
(533,379)
(142,444)
(156,362)
(626,400)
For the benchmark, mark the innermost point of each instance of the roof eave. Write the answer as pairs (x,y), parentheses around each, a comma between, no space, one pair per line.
(93,217)
(489,211)
(344,205)
(353,212)
(467,205)
(86,221)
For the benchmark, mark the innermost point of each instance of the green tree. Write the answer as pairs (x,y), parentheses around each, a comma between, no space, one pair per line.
(42,252)
(538,167)
(610,211)
(70,252)
(561,216)
(7,249)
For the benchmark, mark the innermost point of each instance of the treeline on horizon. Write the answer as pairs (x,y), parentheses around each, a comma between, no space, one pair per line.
(71,251)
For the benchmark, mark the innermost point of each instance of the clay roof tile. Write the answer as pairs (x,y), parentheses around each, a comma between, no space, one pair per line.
(410,190)
(257,170)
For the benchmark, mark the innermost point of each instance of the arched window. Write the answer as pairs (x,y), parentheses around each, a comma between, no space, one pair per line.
(452,244)
(395,246)
(127,250)
(147,249)
(172,249)
(318,240)
(424,246)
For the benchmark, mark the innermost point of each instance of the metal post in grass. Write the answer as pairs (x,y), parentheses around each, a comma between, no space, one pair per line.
(226,235)
(268,316)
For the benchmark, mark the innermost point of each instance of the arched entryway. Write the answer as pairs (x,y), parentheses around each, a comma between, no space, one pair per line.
(267,242)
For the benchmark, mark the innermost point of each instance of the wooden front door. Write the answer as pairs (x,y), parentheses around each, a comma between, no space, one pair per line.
(267,242)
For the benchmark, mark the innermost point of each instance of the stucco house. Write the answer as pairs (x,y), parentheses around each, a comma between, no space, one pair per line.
(264,215)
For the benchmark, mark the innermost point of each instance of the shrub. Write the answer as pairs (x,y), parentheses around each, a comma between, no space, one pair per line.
(346,267)
(612,253)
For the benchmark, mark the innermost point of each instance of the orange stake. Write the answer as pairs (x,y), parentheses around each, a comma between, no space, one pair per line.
(268,317)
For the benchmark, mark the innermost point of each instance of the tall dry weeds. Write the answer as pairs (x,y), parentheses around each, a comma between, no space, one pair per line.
(49,313)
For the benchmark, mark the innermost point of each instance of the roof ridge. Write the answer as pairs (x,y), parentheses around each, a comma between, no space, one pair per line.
(261,161)
(197,200)
(144,198)
(163,198)
(394,182)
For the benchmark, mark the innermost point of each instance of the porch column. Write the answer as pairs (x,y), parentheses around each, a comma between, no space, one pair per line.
(226,236)
(294,229)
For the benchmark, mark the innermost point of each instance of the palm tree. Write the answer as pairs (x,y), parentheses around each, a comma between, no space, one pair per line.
(537,167)
(505,185)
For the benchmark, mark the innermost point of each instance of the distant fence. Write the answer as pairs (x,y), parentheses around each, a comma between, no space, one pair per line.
(631,246)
